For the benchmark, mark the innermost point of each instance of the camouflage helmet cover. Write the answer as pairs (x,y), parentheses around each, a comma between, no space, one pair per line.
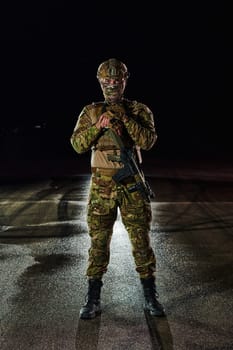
(112,68)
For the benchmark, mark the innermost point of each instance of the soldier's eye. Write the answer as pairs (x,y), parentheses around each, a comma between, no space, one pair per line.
(106,81)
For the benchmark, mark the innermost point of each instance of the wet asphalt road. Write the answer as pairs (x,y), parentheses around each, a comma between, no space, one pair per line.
(43,253)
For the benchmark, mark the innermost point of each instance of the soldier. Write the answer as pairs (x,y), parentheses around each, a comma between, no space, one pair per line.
(134,124)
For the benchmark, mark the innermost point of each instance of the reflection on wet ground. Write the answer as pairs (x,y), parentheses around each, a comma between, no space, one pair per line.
(43,254)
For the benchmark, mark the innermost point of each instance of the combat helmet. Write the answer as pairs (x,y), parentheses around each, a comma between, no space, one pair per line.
(112,68)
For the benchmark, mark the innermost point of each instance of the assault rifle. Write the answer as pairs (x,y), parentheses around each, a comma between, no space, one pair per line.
(130,169)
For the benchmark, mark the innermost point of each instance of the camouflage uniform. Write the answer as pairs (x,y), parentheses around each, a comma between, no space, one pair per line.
(105,195)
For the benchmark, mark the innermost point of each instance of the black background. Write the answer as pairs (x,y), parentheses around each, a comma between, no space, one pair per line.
(175,53)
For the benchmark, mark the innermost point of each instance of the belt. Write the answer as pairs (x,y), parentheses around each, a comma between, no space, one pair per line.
(104,171)
(111,172)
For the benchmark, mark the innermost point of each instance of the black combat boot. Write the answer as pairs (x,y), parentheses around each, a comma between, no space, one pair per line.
(151,303)
(92,308)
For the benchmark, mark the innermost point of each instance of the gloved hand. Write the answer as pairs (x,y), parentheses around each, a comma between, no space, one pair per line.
(117,125)
(117,110)
(110,120)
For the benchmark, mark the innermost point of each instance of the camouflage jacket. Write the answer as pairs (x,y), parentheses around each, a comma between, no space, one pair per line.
(138,130)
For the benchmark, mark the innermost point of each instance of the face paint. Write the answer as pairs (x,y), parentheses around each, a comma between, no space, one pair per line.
(112,75)
(113,88)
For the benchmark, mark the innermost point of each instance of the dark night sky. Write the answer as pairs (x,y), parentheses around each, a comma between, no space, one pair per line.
(175,53)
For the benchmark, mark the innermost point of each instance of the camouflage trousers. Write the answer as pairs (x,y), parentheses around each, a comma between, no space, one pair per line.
(105,197)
